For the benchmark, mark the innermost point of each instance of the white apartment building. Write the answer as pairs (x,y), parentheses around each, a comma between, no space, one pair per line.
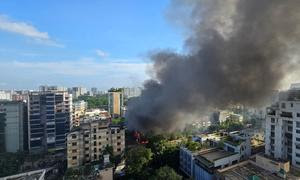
(282,133)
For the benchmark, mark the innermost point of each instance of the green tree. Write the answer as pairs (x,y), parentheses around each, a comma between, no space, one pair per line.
(100,101)
(166,173)
(137,158)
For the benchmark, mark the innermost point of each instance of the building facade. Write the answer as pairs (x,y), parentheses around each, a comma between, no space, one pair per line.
(87,142)
(282,133)
(13,126)
(79,109)
(115,103)
(49,116)
(5,95)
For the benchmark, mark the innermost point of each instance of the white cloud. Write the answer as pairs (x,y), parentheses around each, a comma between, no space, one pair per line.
(27,30)
(101,53)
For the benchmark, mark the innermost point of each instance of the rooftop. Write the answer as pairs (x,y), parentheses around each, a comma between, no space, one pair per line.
(208,157)
(246,170)
(32,175)
(234,142)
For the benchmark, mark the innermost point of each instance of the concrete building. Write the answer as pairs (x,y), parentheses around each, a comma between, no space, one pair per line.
(203,164)
(238,142)
(77,91)
(282,133)
(87,142)
(94,91)
(13,126)
(132,92)
(226,115)
(115,102)
(5,95)
(79,109)
(258,167)
(49,116)
(52,88)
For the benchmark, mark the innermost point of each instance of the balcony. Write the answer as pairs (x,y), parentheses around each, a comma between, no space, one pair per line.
(286,114)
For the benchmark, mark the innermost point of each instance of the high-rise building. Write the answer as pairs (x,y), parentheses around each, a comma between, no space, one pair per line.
(77,91)
(132,92)
(88,142)
(51,88)
(282,133)
(5,95)
(94,91)
(115,102)
(79,109)
(13,126)
(49,116)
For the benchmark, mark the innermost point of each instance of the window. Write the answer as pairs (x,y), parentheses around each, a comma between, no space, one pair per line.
(99,143)
(95,143)
(272,141)
(292,105)
(298,163)
(74,157)
(272,134)
(86,135)
(86,142)
(272,148)
(73,136)
(107,139)
(298,131)
(86,149)
(297,155)
(119,149)
(95,156)
(74,144)
(95,150)
(290,128)
(95,130)
(272,120)
(272,127)
(99,137)
(298,124)
(297,139)
(118,143)
(298,114)
(119,137)
(283,105)
(95,137)
(74,151)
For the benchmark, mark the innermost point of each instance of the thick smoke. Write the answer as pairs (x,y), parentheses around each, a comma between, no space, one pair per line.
(238,51)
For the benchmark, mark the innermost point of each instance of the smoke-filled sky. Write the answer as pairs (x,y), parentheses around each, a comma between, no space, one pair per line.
(236,52)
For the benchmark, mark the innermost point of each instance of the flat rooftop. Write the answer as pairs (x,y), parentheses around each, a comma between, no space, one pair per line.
(208,157)
(246,170)
(32,175)
(215,154)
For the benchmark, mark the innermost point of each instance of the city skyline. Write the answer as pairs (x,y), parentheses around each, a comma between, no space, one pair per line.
(88,44)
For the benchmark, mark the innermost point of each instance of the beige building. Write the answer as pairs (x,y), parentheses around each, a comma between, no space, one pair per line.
(87,142)
(79,109)
(115,103)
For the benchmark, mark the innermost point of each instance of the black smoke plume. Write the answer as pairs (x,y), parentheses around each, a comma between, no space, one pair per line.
(237,52)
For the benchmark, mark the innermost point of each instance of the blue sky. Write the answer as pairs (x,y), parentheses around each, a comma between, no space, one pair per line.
(94,43)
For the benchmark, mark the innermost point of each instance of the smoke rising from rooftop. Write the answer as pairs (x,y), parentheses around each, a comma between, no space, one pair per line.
(237,52)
